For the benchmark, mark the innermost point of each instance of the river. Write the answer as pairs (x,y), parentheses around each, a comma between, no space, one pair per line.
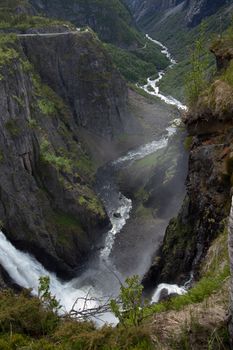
(101,280)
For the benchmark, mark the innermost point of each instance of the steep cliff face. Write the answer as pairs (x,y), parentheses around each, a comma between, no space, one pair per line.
(209,182)
(82,73)
(146,8)
(193,10)
(199,9)
(47,203)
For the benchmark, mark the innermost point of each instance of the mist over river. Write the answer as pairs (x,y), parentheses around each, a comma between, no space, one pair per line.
(133,239)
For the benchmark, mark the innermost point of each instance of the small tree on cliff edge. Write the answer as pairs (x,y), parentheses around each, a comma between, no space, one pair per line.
(129,309)
(195,80)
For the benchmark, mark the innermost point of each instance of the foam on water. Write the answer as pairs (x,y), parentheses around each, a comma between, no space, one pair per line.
(25,270)
(152,87)
(147,149)
(170,288)
(118,222)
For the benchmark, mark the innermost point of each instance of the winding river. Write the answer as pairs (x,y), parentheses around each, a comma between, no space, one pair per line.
(101,279)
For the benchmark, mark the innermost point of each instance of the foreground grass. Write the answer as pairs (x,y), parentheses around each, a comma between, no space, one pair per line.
(26,324)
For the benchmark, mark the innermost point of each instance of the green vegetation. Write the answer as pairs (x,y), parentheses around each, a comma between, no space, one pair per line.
(7,50)
(24,314)
(201,291)
(180,40)
(110,19)
(188,142)
(47,299)
(68,227)
(32,123)
(143,93)
(66,220)
(11,18)
(213,277)
(92,203)
(129,308)
(13,127)
(196,78)
(27,322)
(227,76)
(137,65)
(48,156)
(49,103)
(47,106)
(197,336)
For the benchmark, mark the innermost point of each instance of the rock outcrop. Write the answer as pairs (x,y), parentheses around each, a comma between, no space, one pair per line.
(194,11)
(51,88)
(143,9)
(208,184)
(199,9)
(81,72)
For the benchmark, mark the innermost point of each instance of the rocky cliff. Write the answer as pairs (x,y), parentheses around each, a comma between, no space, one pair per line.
(208,184)
(93,89)
(199,9)
(193,10)
(51,88)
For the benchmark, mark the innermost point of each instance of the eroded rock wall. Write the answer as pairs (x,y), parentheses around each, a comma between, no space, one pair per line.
(78,69)
(50,89)
(207,203)
(193,10)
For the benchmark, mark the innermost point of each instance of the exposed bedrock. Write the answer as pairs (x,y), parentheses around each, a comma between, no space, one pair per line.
(79,70)
(208,185)
(54,88)
(194,11)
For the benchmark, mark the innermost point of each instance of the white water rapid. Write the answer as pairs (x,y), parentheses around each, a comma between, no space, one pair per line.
(147,149)
(169,289)
(97,281)
(26,271)
(118,220)
(152,87)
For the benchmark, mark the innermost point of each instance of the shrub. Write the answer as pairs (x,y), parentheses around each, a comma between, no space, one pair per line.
(48,156)
(129,309)
(48,300)
(195,81)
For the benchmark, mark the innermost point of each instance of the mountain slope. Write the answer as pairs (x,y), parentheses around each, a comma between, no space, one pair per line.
(109,18)
(176,24)
(209,182)
(194,11)
(55,89)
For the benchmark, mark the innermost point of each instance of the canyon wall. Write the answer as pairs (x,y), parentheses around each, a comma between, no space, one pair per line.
(52,88)
(207,203)
(193,10)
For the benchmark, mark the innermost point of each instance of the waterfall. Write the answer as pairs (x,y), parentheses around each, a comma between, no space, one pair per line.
(97,281)
(26,271)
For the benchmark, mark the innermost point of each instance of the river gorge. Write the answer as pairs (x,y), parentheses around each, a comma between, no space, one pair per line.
(124,252)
